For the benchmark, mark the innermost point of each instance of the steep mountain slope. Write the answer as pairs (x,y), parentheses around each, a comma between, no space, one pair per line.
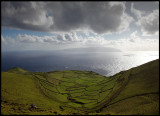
(135,91)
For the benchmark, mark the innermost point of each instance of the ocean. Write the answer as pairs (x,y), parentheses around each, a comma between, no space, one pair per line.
(104,63)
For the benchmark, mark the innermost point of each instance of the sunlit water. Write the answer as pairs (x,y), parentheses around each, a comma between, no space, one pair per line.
(105,63)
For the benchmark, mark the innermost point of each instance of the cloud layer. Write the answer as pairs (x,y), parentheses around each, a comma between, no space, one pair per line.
(100,17)
(81,24)
(72,39)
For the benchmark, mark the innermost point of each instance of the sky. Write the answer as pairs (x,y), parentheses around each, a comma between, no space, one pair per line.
(128,26)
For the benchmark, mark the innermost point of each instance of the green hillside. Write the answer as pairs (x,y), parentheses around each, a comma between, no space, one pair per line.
(71,92)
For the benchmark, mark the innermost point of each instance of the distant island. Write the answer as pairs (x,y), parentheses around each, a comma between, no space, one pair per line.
(72,92)
(92,49)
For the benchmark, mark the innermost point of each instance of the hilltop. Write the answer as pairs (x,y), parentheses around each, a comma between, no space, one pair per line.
(71,92)
(17,70)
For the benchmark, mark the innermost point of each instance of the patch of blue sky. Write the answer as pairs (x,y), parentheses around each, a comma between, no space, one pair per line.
(14,32)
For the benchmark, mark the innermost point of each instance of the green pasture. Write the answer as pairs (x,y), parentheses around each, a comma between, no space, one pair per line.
(70,92)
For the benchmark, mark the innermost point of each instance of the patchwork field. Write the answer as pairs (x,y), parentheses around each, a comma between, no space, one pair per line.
(71,92)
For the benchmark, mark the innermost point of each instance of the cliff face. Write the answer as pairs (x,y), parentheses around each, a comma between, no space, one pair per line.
(135,91)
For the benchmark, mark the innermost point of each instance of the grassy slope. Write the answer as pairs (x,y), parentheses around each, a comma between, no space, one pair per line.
(141,94)
(18,92)
(134,91)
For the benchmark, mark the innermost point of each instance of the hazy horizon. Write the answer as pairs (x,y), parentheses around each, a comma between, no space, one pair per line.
(104,63)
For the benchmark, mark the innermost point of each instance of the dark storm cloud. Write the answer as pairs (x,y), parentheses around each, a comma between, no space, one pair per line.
(67,16)
(100,17)
(146,6)
(23,15)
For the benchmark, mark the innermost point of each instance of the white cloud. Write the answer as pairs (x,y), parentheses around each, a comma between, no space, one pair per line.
(147,21)
(72,39)
(26,38)
(43,21)
(150,23)
(8,40)
(126,21)
(136,12)
(3,40)
(136,43)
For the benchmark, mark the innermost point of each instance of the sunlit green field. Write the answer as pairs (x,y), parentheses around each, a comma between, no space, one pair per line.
(135,91)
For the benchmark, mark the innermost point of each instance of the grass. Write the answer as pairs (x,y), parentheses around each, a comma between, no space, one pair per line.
(19,89)
(138,105)
(144,81)
(143,86)
(135,91)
